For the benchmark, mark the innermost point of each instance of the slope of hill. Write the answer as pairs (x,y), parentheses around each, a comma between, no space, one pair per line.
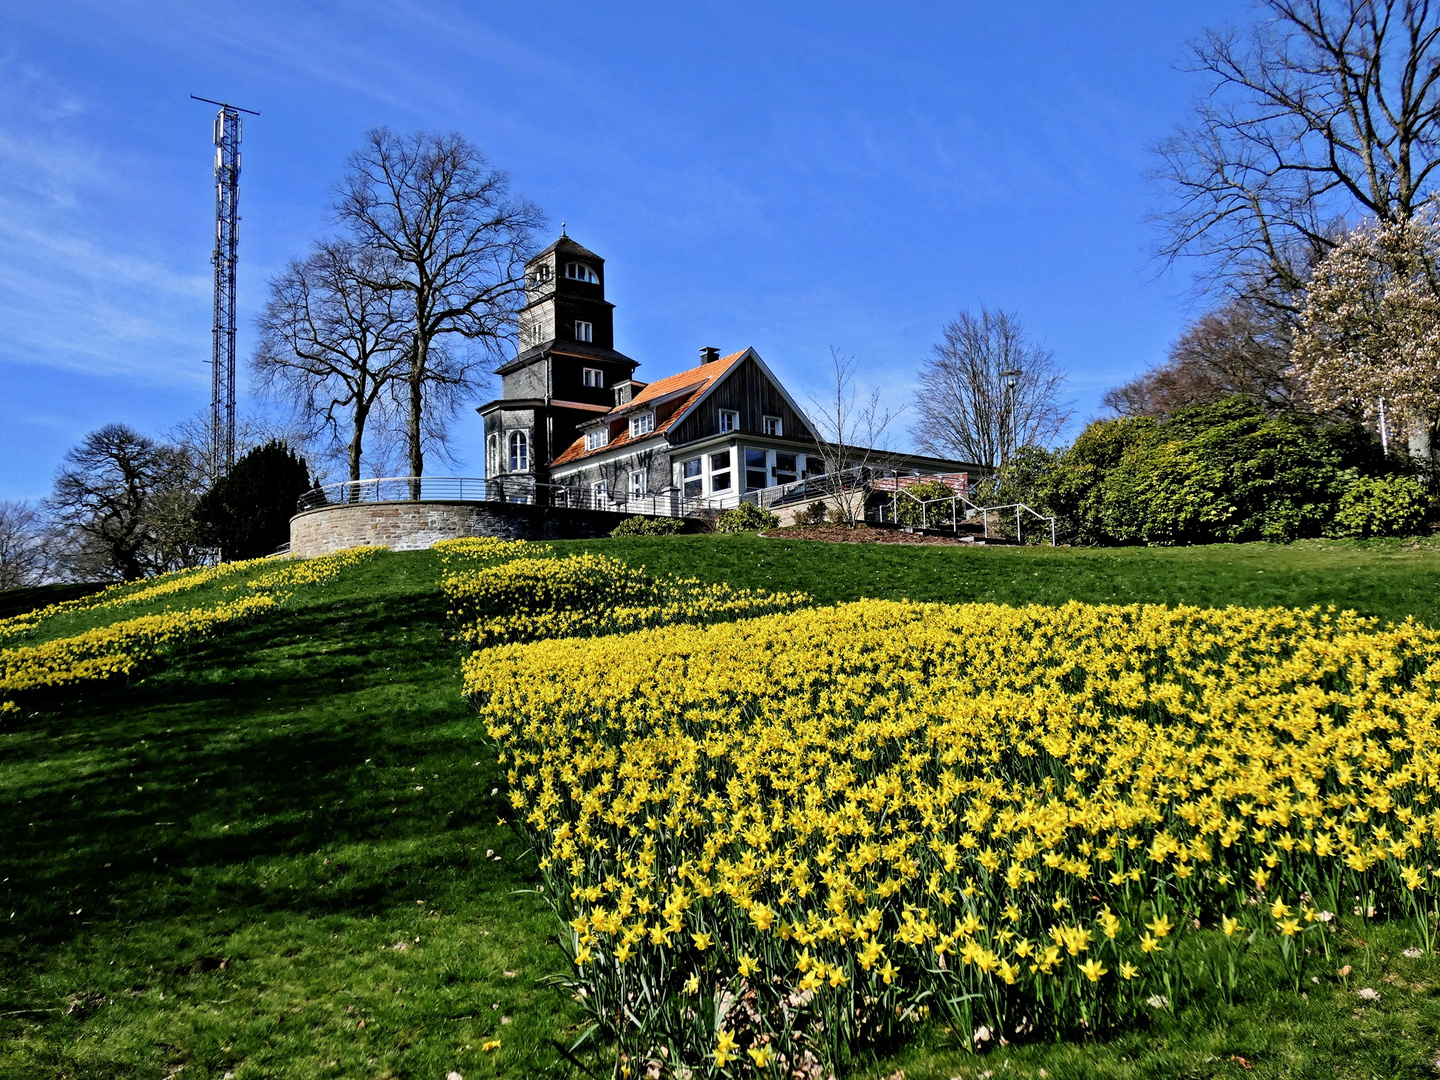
(280,853)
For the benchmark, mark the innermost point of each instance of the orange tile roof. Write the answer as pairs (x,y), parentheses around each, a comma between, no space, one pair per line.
(697,380)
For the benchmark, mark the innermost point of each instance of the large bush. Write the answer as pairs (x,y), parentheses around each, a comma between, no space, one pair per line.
(1222,472)
(747,517)
(648,526)
(1382,506)
(247,512)
(908,510)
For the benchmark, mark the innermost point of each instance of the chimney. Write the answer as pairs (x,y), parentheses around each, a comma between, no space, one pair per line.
(709,354)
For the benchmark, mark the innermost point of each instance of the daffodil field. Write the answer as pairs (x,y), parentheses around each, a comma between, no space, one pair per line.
(778,841)
(514,590)
(116,649)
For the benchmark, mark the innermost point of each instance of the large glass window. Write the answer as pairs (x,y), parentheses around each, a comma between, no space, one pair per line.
(720,471)
(785,470)
(576,271)
(756,472)
(519,452)
(693,485)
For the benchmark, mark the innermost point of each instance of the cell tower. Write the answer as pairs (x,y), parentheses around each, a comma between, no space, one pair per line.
(227,222)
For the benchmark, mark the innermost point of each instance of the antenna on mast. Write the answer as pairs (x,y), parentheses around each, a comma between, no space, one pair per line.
(227,222)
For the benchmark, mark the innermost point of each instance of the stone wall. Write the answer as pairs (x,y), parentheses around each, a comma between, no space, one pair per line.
(410,526)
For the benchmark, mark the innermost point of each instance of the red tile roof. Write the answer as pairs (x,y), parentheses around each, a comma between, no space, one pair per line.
(697,381)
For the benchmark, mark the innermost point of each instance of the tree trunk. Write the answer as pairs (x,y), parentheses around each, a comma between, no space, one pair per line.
(413,426)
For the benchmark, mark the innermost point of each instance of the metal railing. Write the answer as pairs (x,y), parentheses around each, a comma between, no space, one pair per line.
(481,489)
(946,512)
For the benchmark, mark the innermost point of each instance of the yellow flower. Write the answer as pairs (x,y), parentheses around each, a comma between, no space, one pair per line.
(1092,969)
(1229,925)
(489,1045)
(1109,924)
(692,984)
(702,941)
(1160,926)
(1149,944)
(1412,877)
(761,1056)
(724,1048)
(1279,910)
(1128,971)
(888,973)
(1290,927)
(746,964)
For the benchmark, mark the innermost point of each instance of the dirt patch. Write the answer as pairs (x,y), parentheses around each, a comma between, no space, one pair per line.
(843,534)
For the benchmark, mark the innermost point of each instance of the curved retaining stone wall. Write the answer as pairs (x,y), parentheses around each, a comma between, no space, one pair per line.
(410,526)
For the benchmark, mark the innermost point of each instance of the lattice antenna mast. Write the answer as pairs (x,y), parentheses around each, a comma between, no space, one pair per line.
(227,226)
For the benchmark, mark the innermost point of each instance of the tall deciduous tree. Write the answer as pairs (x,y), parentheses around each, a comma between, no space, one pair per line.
(988,390)
(456,239)
(850,430)
(1325,110)
(334,343)
(1240,348)
(23,559)
(125,504)
(1370,330)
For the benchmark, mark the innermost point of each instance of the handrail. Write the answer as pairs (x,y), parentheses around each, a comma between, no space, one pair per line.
(482,489)
(974,508)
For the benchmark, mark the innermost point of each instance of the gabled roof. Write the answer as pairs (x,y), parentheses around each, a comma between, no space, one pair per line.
(690,386)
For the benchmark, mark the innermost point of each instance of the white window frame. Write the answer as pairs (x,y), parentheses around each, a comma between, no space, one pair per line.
(637,483)
(600,491)
(697,479)
(729,420)
(597,438)
(642,425)
(593,376)
(584,331)
(774,426)
(492,454)
(578,271)
(519,456)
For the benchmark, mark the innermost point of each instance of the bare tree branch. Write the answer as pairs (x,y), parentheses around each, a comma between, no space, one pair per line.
(1326,110)
(970,408)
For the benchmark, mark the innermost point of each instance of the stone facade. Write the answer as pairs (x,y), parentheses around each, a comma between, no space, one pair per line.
(411,526)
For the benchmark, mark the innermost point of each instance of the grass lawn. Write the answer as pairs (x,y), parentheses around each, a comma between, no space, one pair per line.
(278,855)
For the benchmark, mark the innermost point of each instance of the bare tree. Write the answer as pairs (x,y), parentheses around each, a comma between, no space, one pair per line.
(124,504)
(1240,348)
(333,344)
(987,391)
(851,434)
(23,558)
(1325,110)
(456,241)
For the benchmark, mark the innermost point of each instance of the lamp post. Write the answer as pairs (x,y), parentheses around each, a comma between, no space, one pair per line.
(1011,377)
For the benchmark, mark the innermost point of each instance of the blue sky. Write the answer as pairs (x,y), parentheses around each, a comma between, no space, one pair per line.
(790,177)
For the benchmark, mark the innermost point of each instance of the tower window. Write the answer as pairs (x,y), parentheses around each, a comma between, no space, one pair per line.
(594,376)
(519,452)
(577,271)
(596,439)
(774,426)
(583,331)
(729,420)
(492,455)
(541,275)
(642,425)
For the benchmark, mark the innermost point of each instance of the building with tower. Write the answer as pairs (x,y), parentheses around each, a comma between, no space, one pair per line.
(574,427)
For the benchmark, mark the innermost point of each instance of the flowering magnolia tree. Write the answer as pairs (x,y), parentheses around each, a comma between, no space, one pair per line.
(1370,329)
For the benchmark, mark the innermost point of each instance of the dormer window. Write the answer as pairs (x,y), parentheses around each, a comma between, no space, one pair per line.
(577,271)
(594,440)
(642,425)
(594,377)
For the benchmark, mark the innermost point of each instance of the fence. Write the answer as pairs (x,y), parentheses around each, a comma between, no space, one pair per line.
(955,510)
(480,489)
